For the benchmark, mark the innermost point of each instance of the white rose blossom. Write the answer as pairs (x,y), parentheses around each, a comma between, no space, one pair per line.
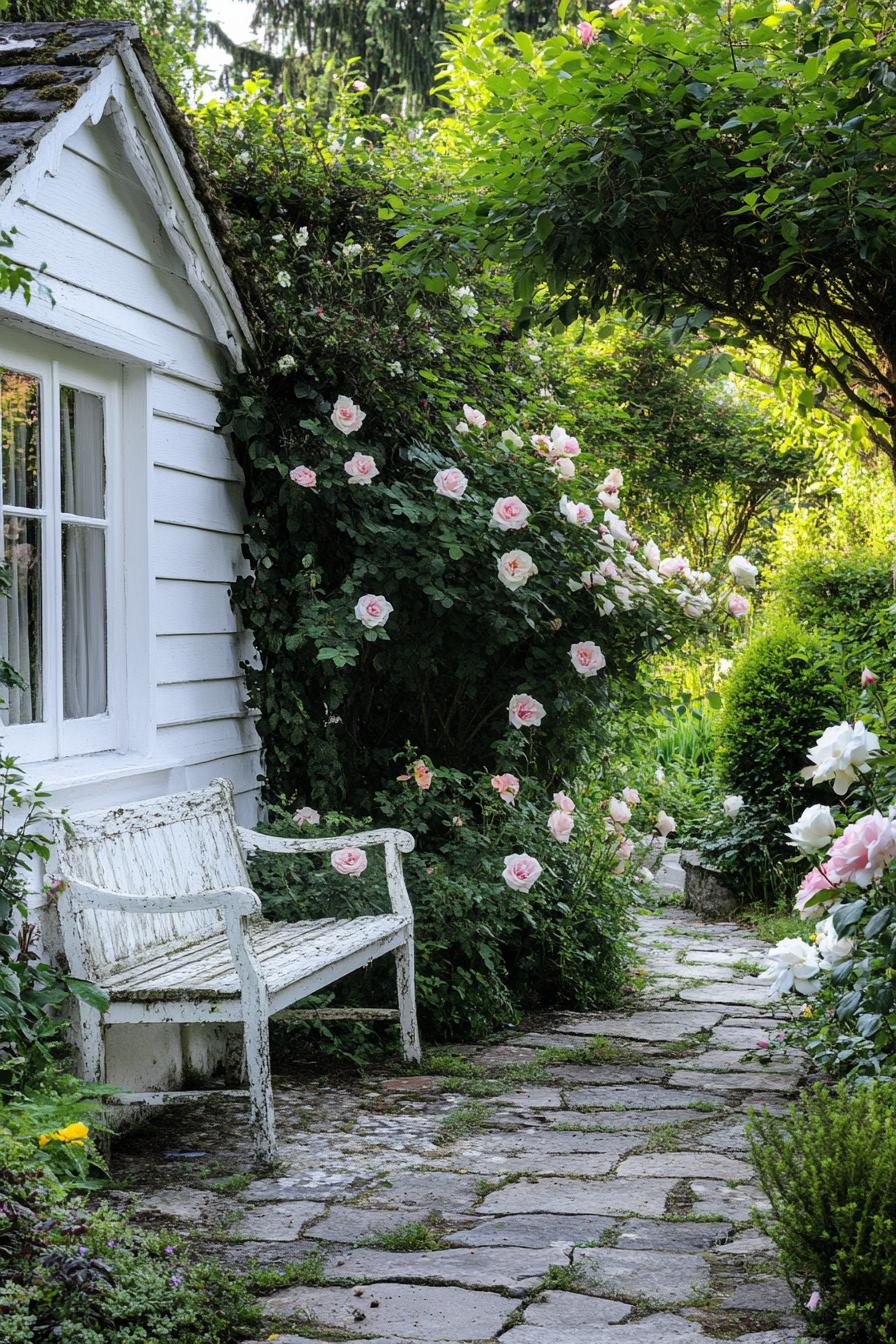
(813,829)
(842,754)
(742,572)
(515,569)
(793,965)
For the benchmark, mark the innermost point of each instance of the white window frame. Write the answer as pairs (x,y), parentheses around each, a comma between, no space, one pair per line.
(55,367)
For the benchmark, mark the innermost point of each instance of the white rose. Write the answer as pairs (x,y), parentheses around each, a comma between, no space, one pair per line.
(565,468)
(284,279)
(652,555)
(732,805)
(515,569)
(346,416)
(812,829)
(793,965)
(742,571)
(620,811)
(450,482)
(831,948)
(664,824)
(372,610)
(842,754)
(510,439)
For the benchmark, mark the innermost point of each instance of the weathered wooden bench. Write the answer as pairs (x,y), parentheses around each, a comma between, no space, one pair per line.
(155,907)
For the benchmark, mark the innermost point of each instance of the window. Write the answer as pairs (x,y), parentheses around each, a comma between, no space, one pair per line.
(60,450)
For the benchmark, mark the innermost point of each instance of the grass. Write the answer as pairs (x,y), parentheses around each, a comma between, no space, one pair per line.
(233,1185)
(704,1106)
(411,1237)
(562,1278)
(773,925)
(309,1272)
(746,967)
(463,1121)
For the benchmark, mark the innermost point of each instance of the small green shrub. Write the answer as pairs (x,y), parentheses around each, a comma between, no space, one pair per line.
(845,596)
(776,696)
(73,1275)
(829,1170)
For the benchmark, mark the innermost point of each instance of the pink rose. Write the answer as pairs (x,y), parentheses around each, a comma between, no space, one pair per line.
(562,444)
(560,825)
(587,658)
(515,569)
(564,802)
(816,880)
(507,786)
(509,514)
(672,566)
(525,712)
(304,476)
(609,499)
(372,610)
(626,848)
(521,871)
(585,31)
(542,444)
(863,851)
(349,862)
(868,677)
(619,811)
(613,480)
(565,468)
(346,415)
(360,469)
(451,482)
(306,816)
(422,774)
(579,514)
(631,796)
(473,417)
(738,605)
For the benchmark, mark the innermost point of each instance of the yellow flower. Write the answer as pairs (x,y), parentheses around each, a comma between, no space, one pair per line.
(807,1011)
(75,1133)
(813,937)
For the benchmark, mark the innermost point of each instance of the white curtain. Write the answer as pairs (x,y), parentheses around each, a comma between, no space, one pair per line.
(83,557)
(20,614)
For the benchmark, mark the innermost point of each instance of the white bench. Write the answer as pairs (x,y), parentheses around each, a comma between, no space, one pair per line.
(155,907)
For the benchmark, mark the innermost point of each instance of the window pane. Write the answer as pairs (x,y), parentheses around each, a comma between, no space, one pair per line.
(20,620)
(83,459)
(83,621)
(20,439)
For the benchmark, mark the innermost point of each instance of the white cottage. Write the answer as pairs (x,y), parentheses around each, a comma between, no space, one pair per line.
(122,507)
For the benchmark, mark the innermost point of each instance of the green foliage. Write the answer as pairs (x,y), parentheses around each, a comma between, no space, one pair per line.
(724,170)
(74,1275)
(411,1237)
(485,953)
(847,598)
(777,694)
(828,1169)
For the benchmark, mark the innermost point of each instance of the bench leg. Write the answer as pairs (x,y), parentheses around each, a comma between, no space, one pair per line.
(261,1094)
(407,1002)
(91,1044)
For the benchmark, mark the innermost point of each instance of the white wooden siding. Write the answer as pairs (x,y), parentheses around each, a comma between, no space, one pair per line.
(111,264)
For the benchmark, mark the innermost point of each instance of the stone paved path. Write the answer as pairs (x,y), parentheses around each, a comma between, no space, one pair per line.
(585,1183)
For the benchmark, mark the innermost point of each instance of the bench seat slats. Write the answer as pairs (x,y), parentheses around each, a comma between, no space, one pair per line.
(180,952)
(288,953)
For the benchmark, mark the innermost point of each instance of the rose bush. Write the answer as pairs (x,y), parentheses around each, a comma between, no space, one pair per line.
(847,966)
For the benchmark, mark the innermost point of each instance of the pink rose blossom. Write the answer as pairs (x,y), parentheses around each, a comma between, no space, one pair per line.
(565,468)
(585,31)
(672,566)
(521,871)
(613,479)
(360,469)
(304,476)
(619,811)
(814,1301)
(507,786)
(816,880)
(868,677)
(563,444)
(347,416)
(564,802)
(349,862)
(578,514)
(306,816)
(626,848)
(587,658)
(541,443)
(422,774)
(525,712)
(609,499)
(372,610)
(738,605)
(632,797)
(515,569)
(664,824)
(560,825)
(451,482)
(509,514)
(863,851)
(474,417)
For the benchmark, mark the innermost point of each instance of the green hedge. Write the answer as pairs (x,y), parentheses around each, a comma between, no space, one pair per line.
(849,598)
(777,700)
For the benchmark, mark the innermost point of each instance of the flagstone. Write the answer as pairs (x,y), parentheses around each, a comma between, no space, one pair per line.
(649,1234)
(535,1229)
(626,1120)
(665,1277)
(733,1060)
(661,1024)
(348,1223)
(308,1185)
(537,1098)
(573,1075)
(646,1098)
(431,1191)
(748,1038)
(535,1164)
(409,1311)
(718,1199)
(734,1081)
(645,1195)
(545,1141)
(763,1295)
(686,1164)
(514,1269)
(718,995)
(663,1328)
(746,1243)
(275,1222)
(574,1311)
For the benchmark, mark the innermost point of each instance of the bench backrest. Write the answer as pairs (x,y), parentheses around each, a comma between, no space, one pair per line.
(181,844)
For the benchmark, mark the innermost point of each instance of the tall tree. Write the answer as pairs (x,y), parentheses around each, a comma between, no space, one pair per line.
(726,166)
(397,45)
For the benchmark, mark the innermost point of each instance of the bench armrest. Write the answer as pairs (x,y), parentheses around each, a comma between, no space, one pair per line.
(322,844)
(396,843)
(76,895)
